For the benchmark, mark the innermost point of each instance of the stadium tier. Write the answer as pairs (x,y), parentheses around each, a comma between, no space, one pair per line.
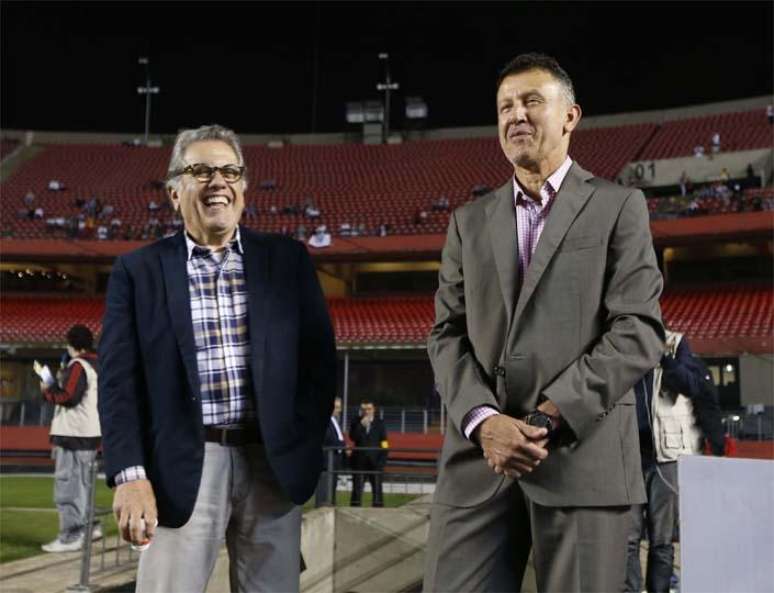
(744,130)
(362,186)
(708,313)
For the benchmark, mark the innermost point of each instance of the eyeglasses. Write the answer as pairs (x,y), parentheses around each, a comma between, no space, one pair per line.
(202,172)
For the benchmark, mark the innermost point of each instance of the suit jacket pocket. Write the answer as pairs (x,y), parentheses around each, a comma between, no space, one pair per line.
(576,243)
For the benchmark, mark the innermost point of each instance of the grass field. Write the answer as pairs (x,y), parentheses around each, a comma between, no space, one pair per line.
(22,532)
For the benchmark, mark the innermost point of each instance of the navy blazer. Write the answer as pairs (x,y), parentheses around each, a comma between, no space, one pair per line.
(149,402)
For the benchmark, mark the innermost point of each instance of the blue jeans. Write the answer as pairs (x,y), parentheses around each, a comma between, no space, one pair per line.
(659,516)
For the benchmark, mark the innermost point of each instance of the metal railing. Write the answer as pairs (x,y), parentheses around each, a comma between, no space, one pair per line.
(407,418)
(415,472)
(26,413)
(123,554)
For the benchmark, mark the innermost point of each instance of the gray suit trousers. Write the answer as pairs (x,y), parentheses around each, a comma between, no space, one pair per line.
(239,502)
(485,548)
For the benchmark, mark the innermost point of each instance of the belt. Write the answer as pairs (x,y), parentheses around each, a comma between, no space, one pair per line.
(233,436)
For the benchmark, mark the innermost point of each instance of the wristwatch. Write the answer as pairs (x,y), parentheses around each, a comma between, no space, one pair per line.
(541,420)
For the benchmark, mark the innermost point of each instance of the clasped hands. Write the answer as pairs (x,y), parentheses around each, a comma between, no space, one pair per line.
(513,447)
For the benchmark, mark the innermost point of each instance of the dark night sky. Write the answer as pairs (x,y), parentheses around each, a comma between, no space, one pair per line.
(251,66)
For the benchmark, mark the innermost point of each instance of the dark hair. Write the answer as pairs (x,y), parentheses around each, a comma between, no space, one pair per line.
(538,61)
(80,337)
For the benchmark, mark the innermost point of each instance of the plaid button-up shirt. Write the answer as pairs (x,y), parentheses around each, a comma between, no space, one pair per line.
(216,285)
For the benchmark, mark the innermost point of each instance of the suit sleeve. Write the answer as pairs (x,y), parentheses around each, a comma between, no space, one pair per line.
(317,357)
(633,341)
(121,393)
(458,374)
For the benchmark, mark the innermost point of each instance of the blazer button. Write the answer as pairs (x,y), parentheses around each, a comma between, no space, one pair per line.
(498,370)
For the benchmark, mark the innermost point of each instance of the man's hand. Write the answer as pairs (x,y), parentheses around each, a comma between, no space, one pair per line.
(134,506)
(511,446)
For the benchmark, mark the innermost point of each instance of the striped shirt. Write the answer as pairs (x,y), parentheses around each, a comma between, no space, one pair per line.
(531,217)
(218,293)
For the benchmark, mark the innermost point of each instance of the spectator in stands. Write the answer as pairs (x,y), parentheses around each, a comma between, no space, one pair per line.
(698,151)
(724,175)
(362,230)
(677,407)
(441,204)
(369,433)
(716,143)
(273,210)
(152,206)
(384,229)
(684,181)
(531,390)
(770,114)
(310,209)
(320,238)
(106,212)
(102,232)
(421,216)
(301,232)
(56,185)
(345,229)
(75,437)
(38,213)
(29,199)
(185,425)
(115,223)
(251,212)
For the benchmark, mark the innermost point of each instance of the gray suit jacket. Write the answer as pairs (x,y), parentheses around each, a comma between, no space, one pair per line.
(584,328)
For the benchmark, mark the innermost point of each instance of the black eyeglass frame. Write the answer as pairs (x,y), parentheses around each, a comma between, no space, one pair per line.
(189,170)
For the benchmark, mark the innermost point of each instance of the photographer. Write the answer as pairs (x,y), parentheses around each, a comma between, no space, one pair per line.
(75,436)
(677,407)
(368,431)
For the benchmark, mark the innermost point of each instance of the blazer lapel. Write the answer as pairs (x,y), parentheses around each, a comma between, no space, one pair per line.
(173,262)
(256,263)
(502,233)
(568,202)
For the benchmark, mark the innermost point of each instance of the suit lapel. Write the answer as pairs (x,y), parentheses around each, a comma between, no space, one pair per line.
(568,202)
(502,234)
(256,262)
(173,262)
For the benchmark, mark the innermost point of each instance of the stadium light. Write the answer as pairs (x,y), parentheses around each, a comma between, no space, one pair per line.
(416,108)
(147,90)
(386,86)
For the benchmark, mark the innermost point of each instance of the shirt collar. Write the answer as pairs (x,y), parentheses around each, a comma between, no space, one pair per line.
(554,181)
(235,243)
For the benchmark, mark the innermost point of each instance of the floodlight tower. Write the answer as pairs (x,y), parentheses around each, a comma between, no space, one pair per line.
(386,86)
(147,90)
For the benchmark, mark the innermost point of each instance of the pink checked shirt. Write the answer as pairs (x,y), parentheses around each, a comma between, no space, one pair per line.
(530,220)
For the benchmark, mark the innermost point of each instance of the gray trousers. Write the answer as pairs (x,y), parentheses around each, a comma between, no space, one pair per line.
(71,490)
(660,513)
(239,502)
(485,548)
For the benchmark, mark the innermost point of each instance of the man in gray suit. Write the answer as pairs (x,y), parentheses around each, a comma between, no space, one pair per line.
(546,316)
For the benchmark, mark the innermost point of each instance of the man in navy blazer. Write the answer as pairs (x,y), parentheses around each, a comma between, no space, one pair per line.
(217,385)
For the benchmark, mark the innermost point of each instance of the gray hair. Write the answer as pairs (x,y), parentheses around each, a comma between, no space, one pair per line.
(187,137)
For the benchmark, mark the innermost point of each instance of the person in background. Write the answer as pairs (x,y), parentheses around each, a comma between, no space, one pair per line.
(677,408)
(369,432)
(75,438)
(334,458)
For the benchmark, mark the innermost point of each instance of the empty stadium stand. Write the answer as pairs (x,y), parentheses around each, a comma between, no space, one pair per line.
(742,130)
(712,312)
(350,183)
